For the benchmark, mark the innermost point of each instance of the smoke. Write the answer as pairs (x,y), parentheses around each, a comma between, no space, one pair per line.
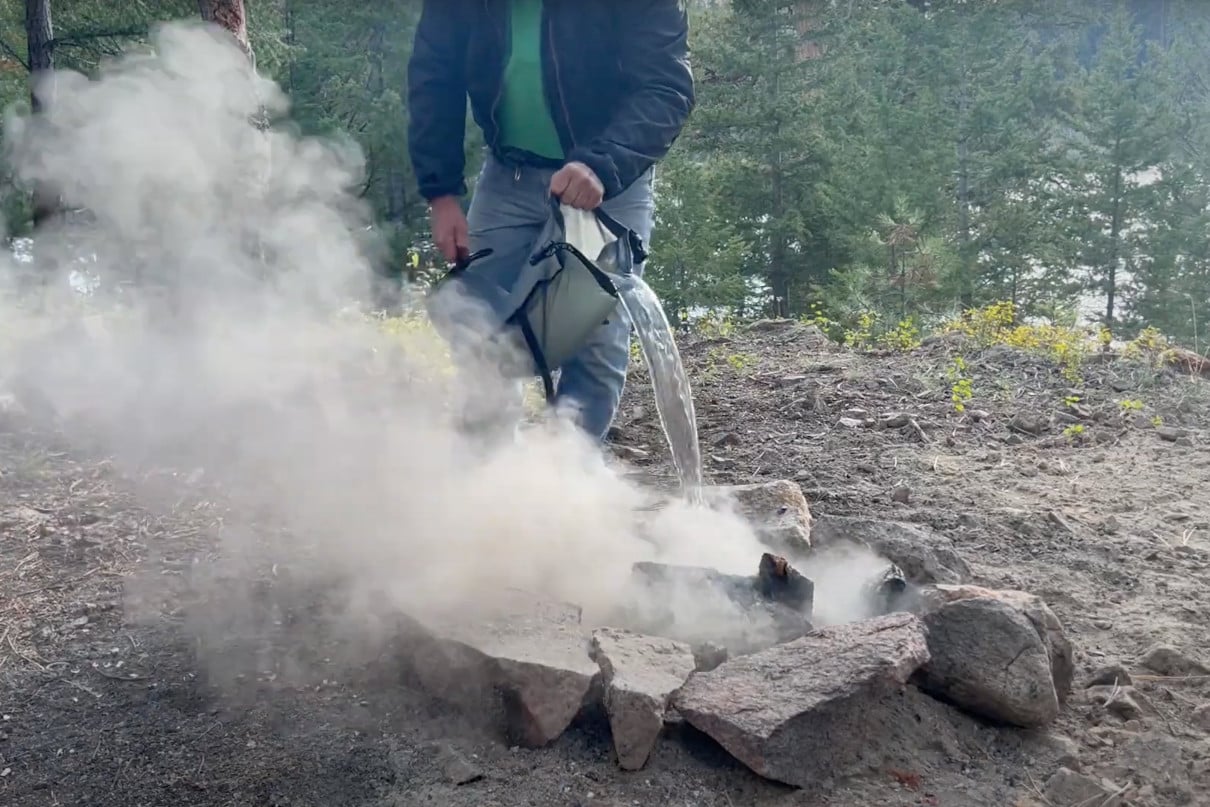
(843,576)
(224,343)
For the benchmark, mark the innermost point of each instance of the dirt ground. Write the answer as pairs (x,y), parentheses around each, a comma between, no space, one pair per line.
(104,705)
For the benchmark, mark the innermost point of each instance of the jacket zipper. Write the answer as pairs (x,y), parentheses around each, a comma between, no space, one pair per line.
(502,32)
(554,60)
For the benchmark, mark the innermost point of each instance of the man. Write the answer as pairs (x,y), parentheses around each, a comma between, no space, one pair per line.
(576,98)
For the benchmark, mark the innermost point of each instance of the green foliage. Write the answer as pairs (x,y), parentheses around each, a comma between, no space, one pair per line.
(961,386)
(861,166)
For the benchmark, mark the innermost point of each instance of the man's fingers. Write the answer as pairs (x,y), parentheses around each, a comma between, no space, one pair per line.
(574,196)
(560,183)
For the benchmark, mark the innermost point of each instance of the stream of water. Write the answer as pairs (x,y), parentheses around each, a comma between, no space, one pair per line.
(673,398)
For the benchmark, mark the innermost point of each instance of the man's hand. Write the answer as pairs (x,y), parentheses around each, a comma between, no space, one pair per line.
(451,234)
(577,186)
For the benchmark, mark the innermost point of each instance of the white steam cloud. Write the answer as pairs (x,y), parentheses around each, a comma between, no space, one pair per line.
(220,340)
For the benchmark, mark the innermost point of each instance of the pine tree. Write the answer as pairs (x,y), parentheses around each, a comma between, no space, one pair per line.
(1121,129)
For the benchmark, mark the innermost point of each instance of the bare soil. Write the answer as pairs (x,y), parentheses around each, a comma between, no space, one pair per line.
(105,701)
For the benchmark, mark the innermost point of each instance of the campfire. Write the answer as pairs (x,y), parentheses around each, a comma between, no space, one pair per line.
(795,701)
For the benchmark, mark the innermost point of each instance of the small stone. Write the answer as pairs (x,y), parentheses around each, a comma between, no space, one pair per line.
(1025,423)
(788,712)
(726,440)
(851,423)
(1117,700)
(895,420)
(777,510)
(1169,434)
(630,453)
(707,656)
(979,415)
(901,494)
(1067,787)
(1102,624)
(856,414)
(1167,660)
(456,768)
(1110,675)
(1201,717)
(640,674)
(1067,751)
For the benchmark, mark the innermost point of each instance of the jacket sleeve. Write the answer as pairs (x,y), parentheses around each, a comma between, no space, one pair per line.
(436,101)
(655,60)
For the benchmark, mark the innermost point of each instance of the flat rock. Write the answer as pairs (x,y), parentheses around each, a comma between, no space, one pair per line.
(1155,760)
(640,674)
(923,555)
(1110,675)
(1167,660)
(777,510)
(532,653)
(815,707)
(997,654)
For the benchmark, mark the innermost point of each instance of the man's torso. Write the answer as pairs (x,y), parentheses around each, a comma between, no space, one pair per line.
(577,67)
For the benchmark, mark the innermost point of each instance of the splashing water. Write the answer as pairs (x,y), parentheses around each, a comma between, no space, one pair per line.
(673,398)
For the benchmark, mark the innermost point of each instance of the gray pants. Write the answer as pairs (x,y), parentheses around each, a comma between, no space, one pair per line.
(508,211)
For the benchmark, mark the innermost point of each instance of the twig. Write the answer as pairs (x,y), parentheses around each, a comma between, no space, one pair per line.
(116,677)
(82,688)
(57,585)
(1153,678)
(1036,788)
(28,658)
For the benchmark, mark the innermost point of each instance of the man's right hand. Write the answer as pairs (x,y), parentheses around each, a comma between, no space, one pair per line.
(451,234)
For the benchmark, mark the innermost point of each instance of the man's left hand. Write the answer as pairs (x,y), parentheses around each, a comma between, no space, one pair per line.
(577,186)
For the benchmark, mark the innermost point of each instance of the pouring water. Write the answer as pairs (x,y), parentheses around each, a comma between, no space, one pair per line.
(673,398)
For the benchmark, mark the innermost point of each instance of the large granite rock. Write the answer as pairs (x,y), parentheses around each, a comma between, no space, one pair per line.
(830,702)
(640,674)
(1002,655)
(514,650)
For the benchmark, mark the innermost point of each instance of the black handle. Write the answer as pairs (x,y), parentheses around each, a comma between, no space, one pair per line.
(462,264)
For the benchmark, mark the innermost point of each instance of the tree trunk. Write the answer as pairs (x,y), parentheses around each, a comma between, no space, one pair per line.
(40,35)
(966,279)
(229,14)
(1115,236)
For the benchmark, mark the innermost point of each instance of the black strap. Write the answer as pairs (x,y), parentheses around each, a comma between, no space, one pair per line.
(531,341)
(638,250)
(462,264)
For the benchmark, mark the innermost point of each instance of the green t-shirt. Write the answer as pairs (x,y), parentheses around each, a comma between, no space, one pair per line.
(525,120)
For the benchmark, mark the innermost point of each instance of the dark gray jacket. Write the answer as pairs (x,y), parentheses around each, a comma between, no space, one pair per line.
(616,72)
